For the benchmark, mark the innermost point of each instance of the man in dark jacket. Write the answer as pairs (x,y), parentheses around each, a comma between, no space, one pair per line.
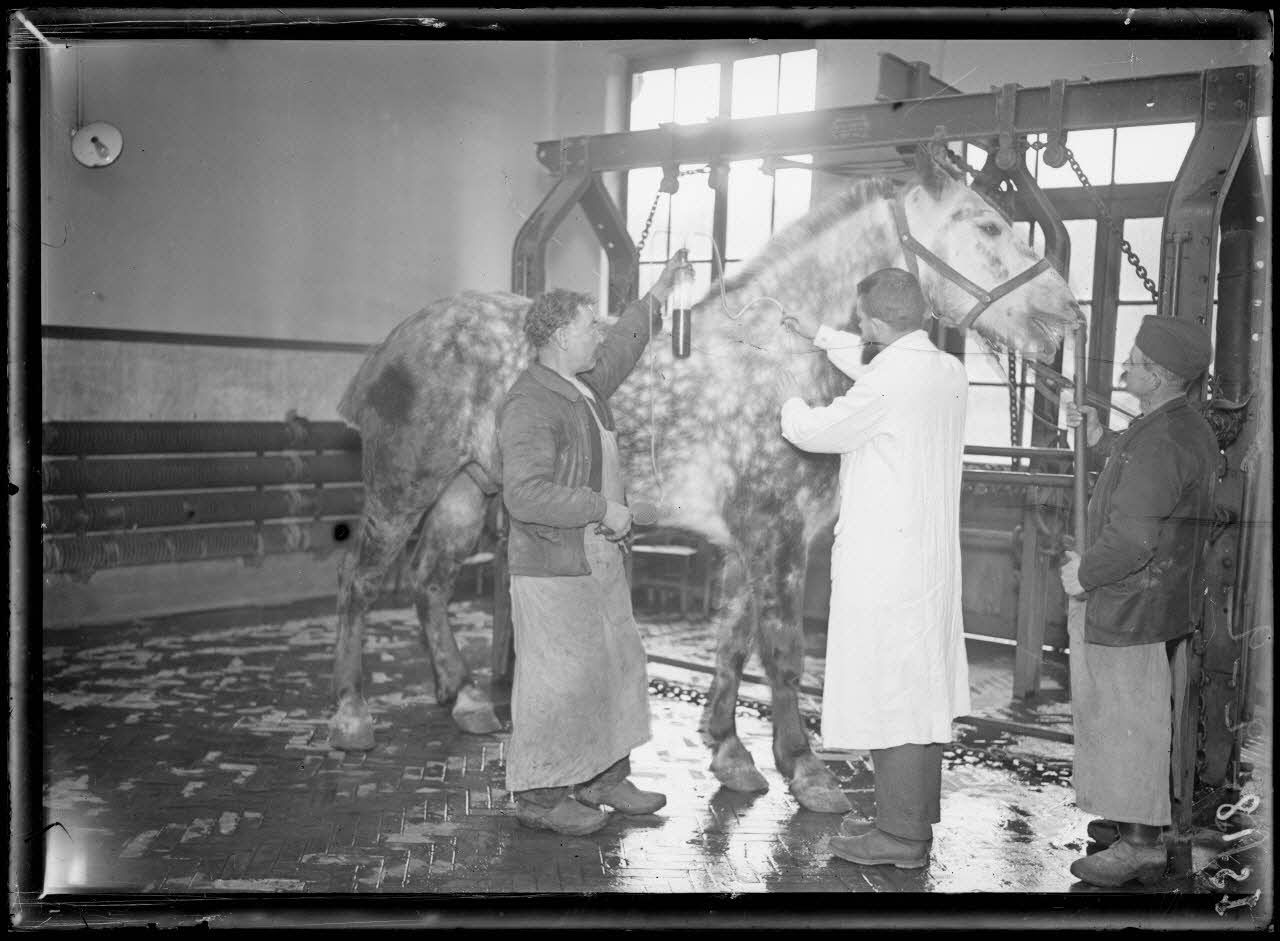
(1140,574)
(579,699)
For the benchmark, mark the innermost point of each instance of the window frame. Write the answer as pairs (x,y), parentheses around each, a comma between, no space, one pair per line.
(724,55)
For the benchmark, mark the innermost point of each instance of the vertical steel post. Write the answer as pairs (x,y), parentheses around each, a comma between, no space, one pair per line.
(1187,269)
(1036,581)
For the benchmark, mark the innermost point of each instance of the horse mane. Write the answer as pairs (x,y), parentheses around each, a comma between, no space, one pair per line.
(813,225)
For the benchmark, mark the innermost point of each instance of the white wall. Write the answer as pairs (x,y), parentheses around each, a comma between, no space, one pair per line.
(289,189)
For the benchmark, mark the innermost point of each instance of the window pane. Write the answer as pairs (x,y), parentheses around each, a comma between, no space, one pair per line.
(749,208)
(691,212)
(798,81)
(652,96)
(642,186)
(792,189)
(987,421)
(1084,234)
(1151,154)
(755,87)
(1143,236)
(1092,151)
(697,93)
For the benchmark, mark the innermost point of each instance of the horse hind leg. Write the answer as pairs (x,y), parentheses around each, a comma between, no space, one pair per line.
(382,535)
(450,532)
(731,763)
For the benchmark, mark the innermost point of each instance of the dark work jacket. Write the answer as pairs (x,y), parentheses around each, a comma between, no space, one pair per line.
(1148,518)
(550,447)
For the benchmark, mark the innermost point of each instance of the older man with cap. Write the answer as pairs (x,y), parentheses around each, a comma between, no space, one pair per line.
(1139,572)
(896,673)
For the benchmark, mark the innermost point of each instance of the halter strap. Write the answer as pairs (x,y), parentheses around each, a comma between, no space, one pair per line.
(912,248)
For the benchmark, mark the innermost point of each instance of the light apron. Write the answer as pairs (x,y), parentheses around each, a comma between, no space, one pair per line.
(1121,707)
(579,697)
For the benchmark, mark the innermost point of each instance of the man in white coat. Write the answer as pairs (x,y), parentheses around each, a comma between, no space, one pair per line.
(896,674)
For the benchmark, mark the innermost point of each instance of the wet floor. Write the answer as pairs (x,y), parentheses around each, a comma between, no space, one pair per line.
(185,760)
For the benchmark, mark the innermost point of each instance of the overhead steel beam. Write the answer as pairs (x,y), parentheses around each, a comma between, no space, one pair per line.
(1160,99)
(902,79)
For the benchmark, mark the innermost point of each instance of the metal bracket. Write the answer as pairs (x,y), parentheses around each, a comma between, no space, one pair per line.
(1055,150)
(1006,107)
(575,153)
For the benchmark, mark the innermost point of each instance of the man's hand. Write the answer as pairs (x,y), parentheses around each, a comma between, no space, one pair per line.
(676,269)
(802,323)
(786,385)
(1074,414)
(1071,575)
(616,523)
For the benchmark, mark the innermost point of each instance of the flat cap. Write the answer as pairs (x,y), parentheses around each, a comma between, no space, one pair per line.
(1181,346)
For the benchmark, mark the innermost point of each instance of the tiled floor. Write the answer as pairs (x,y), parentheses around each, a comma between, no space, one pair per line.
(183,760)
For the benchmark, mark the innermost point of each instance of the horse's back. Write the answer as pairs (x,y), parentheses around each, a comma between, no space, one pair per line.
(455,347)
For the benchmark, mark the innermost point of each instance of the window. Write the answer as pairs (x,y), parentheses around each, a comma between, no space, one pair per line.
(759,197)
(1119,156)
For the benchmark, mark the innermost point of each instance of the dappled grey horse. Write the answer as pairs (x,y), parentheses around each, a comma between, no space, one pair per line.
(699,435)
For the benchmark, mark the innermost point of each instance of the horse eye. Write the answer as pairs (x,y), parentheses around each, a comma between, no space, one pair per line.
(989,228)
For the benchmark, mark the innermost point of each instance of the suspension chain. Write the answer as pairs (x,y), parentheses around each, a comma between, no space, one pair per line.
(648,222)
(1114,226)
(1015,406)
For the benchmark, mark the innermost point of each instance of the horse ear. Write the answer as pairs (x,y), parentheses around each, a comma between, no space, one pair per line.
(932,177)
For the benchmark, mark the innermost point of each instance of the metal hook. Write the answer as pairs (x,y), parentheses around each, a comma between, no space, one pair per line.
(1246,805)
(1248,900)
(1219,879)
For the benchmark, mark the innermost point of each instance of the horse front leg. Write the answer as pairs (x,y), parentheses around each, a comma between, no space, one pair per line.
(449,533)
(382,536)
(731,763)
(781,645)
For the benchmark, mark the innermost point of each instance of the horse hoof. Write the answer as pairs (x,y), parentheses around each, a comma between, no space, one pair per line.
(734,768)
(351,728)
(473,713)
(816,788)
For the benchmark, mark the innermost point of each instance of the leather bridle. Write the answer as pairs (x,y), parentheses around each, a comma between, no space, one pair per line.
(913,249)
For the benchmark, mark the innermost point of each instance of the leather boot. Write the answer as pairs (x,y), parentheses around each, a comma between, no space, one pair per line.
(1139,854)
(613,787)
(624,797)
(853,825)
(569,816)
(877,848)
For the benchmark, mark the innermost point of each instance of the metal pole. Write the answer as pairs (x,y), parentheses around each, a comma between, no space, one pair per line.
(1081,442)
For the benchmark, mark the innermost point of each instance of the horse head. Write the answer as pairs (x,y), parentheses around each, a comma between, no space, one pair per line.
(977,271)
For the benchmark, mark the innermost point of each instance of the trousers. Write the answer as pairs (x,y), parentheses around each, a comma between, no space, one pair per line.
(908,789)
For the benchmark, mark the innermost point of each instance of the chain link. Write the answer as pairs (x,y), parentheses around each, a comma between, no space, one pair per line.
(1015,406)
(1114,226)
(648,222)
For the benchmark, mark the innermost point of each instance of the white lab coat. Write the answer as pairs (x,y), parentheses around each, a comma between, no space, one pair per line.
(896,671)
